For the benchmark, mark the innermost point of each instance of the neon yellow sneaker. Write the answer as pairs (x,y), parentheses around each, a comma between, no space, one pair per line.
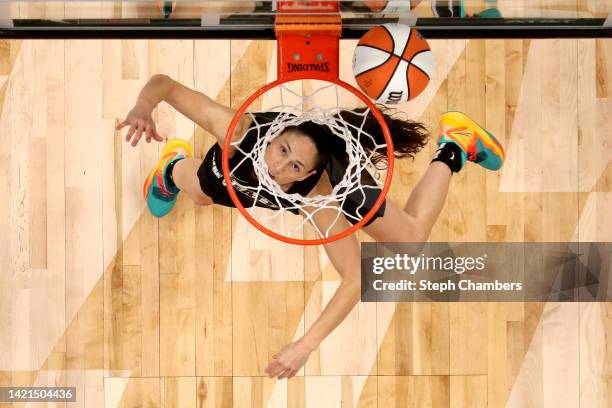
(476,143)
(160,197)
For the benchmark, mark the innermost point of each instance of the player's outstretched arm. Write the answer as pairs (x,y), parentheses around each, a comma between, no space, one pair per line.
(345,256)
(213,117)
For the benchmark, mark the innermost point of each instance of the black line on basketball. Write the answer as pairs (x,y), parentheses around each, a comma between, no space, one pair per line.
(375,48)
(419,68)
(377,66)
(407,82)
(390,78)
(407,42)
(391,36)
(420,52)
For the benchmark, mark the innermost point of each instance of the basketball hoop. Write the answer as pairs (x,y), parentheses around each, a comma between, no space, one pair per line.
(308,49)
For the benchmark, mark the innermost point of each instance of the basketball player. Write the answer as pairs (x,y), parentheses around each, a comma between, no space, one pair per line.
(298,162)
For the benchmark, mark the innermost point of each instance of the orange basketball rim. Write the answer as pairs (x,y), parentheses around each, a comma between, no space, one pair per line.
(308,39)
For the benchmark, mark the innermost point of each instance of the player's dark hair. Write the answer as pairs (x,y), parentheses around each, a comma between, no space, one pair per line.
(408,136)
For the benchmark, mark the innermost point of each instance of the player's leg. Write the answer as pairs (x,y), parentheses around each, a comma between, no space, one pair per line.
(414,222)
(162,186)
(184,176)
(460,140)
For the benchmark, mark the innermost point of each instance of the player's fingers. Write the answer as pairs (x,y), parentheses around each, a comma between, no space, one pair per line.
(286,374)
(129,134)
(275,369)
(158,137)
(150,132)
(276,373)
(137,136)
(271,368)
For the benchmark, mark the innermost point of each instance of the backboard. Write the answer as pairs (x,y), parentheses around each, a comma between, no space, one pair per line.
(255,19)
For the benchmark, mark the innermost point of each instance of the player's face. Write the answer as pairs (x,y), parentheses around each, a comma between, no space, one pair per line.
(290,157)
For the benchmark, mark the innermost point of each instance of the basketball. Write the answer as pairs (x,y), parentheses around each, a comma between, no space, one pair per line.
(392,63)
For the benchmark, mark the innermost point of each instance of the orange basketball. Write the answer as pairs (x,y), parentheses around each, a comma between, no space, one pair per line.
(392,63)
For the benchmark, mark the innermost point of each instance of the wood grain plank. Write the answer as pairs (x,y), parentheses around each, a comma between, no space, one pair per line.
(215,392)
(179,392)
(468,391)
(84,253)
(213,229)
(603,68)
(416,341)
(177,233)
(132,392)
(495,108)
(414,391)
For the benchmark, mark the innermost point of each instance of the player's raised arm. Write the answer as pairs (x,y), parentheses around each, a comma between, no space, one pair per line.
(345,256)
(210,115)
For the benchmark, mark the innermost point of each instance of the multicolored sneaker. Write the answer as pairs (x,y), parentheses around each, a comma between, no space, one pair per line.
(159,196)
(476,143)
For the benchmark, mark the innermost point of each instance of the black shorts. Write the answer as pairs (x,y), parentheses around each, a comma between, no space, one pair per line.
(210,175)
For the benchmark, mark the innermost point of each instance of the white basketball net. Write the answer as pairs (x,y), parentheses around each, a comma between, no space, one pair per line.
(350,187)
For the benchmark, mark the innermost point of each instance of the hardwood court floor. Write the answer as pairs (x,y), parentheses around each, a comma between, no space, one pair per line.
(188,310)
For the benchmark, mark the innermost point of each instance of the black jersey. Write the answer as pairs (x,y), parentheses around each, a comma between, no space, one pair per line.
(213,184)
(210,175)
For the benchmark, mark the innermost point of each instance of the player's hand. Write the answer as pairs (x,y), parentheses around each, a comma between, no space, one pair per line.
(140,121)
(288,361)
